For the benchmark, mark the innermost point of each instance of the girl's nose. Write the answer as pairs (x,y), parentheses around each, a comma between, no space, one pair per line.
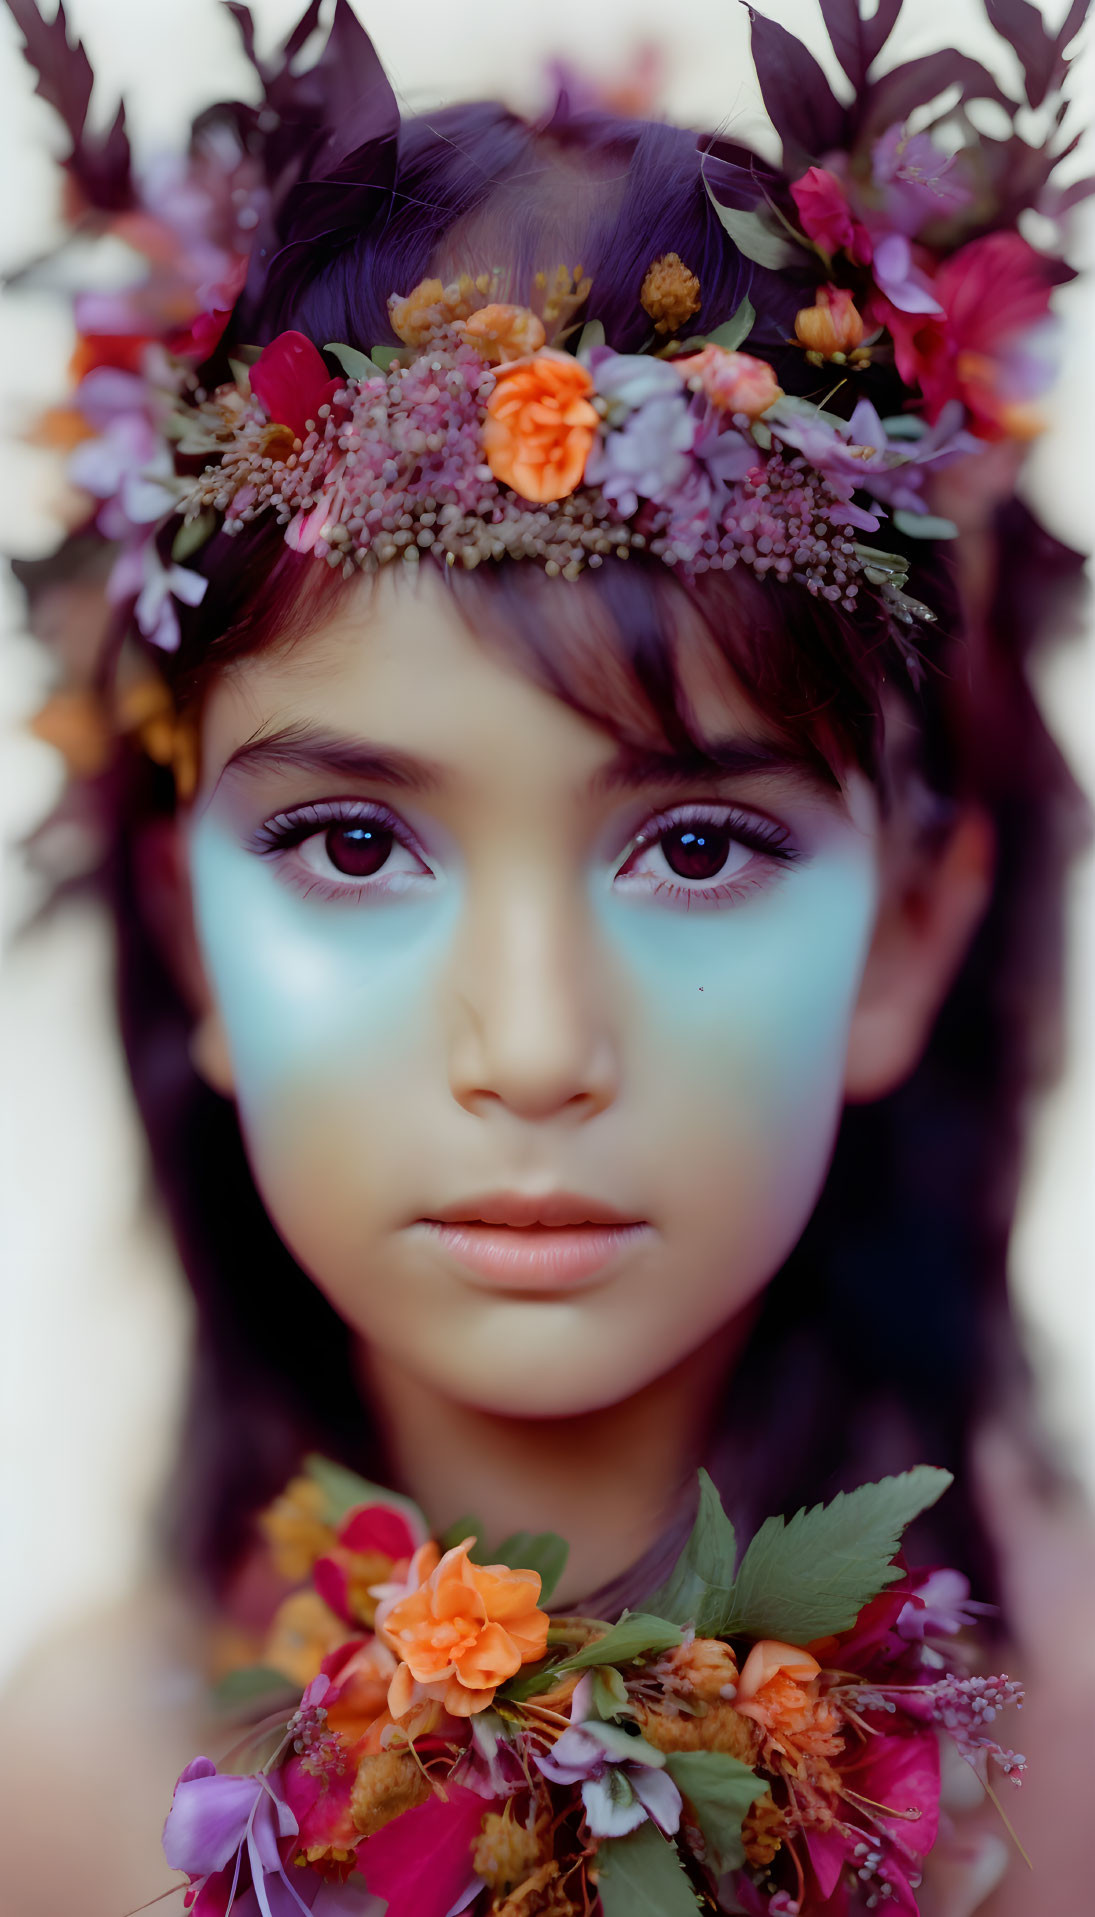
(528,1013)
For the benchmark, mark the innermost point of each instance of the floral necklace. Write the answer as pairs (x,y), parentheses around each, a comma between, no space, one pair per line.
(759,1738)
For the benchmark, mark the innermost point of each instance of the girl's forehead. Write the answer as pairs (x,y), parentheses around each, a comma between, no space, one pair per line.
(403,662)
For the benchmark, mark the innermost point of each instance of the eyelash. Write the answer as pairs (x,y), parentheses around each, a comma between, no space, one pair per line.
(769,842)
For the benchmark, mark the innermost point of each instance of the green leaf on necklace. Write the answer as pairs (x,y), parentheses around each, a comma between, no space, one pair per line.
(542,1551)
(634,1636)
(640,1876)
(345,1491)
(698,1588)
(810,1576)
(720,1790)
(461,1528)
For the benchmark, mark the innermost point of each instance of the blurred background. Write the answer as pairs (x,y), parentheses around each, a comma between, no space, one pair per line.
(93,1321)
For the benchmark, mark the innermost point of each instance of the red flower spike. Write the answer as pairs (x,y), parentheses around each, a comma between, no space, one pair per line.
(291,380)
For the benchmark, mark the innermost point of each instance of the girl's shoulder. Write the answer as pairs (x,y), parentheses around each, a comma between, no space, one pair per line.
(95,1727)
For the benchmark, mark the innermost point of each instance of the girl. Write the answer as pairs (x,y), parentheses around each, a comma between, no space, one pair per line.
(585,950)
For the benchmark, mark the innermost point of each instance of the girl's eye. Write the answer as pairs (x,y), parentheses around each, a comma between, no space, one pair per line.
(348,850)
(705,854)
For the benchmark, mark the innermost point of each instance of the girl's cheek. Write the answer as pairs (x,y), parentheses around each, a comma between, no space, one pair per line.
(308,991)
(743,1013)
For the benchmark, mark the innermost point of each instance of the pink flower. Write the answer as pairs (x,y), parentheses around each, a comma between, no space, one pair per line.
(734,382)
(902,1774)
(992,293)
(374,1543)
(826,216)
(421,1861)
(290,379)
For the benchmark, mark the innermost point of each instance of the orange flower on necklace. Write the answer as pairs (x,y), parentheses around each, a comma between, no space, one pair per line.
(779,1689)
(540,425)
(459,1629)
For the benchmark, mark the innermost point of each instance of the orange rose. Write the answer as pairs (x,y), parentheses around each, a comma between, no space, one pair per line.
(540,425)
(504,332)
(832,328)
(734,382)
(460,1629)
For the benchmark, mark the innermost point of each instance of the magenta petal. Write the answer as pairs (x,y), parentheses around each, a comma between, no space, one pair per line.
(904,1775)
(420,1861)
(332,1585)
(828,1855)
(377,1527)
(208,1821)
(290,379)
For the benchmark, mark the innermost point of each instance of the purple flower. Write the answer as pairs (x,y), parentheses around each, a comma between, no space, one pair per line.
(215,1819)
(622,1777)
(490,1766)
(644,452)
(918,182)
(859,453)
(904,285)
(944,1607)
(139,570)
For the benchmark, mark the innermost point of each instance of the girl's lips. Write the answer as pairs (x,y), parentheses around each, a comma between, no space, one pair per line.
(535,1258)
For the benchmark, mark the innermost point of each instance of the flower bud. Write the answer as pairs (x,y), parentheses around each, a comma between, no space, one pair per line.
(832,327)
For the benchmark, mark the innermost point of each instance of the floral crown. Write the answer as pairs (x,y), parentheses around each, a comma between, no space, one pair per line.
(482,429)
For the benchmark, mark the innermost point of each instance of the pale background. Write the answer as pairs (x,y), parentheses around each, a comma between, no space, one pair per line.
(93,1321)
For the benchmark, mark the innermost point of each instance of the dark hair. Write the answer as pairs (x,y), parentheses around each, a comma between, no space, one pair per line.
(887,1332)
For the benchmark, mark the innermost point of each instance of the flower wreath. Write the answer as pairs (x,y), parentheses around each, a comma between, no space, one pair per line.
(761,1737)
(484,428)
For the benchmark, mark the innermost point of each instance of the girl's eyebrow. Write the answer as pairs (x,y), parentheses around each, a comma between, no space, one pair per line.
(307,748)
(716,758)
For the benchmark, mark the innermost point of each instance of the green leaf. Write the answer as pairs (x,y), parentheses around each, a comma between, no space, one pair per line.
(698,1588)
(756,235)
(720,1790)
(355,364)
(811,1575)
(591,335)
(533,1679)
(610,1697)
(345,1490)
(542,1551)
(905,426)
(252,1682)
(382,356)
(635,1634)
(192,535)
(461,1528)
(734,330)
(924,525)
(640,1876)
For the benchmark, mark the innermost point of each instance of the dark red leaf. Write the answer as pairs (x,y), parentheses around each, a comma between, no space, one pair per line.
(242,17)
(1040,53)
(801,105)
(99,163)
(858,42)
(896,94)
(305,26)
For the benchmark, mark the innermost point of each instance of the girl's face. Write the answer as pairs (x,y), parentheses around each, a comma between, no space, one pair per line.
(474,966)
